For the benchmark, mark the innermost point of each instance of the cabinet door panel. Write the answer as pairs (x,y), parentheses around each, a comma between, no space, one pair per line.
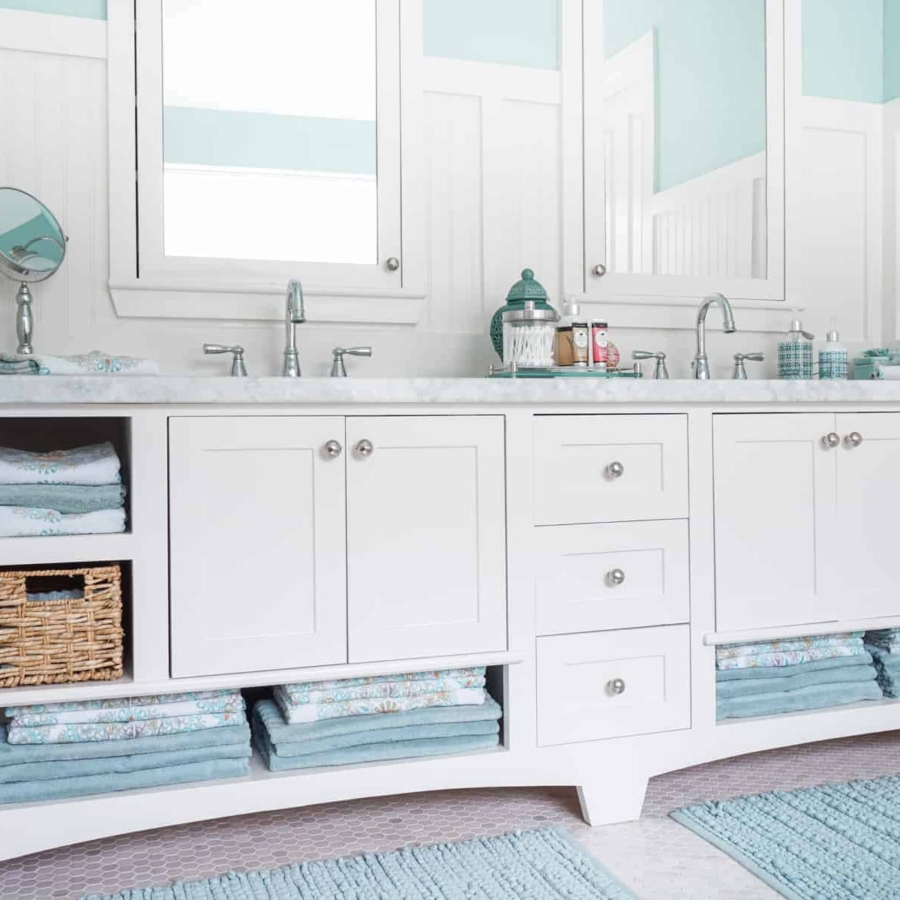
(426,536)
(774,509)
(868,496)
(257,526)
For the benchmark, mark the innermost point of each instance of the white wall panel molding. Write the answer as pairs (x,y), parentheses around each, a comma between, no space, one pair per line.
(891,244)
(45,33)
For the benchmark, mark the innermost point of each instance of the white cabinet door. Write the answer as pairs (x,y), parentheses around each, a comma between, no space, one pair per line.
(257,532)
(868,497)
(426,536)
(775,520)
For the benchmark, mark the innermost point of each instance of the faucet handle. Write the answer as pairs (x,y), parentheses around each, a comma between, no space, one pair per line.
(660,372)
(238,369)
(338,368)
(740,373)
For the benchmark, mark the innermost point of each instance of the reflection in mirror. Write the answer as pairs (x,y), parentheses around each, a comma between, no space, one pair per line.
(269,130)
(685,137)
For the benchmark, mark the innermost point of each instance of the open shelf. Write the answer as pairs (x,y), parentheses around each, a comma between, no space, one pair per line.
(63,549)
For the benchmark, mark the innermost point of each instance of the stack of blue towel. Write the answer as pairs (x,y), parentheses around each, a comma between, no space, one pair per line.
(768,678)
(376,718)
(63,750)
(66,492)
(884,645)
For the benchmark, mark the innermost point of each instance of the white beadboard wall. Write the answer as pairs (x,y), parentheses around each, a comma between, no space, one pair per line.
(495,204)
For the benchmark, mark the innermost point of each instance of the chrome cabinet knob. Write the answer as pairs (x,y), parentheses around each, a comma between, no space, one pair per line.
(616,686)
(854,439)
(616,577)
(831,440)
(365,448)
(615,470)
(599,270)
(392,263)
(333,449)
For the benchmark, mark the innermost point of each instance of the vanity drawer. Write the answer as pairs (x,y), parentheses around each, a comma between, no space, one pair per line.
(578,676)
(600,577)
(609,468)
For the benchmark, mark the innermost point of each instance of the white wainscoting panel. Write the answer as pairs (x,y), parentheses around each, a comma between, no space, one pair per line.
(891,244)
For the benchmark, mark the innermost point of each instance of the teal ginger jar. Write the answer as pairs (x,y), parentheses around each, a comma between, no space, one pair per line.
(519,293)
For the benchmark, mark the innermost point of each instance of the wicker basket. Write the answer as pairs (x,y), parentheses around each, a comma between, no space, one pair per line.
(60,641)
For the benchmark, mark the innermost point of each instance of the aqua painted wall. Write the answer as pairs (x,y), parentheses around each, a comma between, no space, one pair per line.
(891,49)
(711,79)
(82,9)
(513,32)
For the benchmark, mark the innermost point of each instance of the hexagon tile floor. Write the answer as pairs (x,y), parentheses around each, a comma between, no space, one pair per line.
(656,857)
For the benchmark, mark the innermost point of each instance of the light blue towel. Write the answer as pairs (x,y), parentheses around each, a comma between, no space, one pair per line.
(280,732)
(64,498)
(887,665)
(371,752)
(61,788)
(749,686)
(19,754)
(386,735)
(819,665)
(816,697)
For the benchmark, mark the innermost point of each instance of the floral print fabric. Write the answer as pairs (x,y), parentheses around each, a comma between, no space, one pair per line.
(304,687)
(96,362)
(96,464)
(114,702)
(121,731)
(22,521)
(383,690)
(731,651)
(790,657)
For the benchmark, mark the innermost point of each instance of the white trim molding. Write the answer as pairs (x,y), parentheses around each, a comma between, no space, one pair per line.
(45,33)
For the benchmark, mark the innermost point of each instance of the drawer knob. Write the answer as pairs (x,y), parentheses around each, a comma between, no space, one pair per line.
(365,448)
(615,470)
(616,577)
(854,439)
(333,449)
(831,440)
(617,686)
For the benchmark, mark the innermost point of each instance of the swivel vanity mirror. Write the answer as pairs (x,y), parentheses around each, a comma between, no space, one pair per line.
(32,248)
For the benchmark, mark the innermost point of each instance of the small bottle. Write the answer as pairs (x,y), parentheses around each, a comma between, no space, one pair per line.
(833,358)
(581,343)
(565,339)
(795,356)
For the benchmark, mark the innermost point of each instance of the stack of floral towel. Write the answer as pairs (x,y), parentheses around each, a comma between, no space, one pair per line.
(66,492)
(354,720)
(884,645)
(96,746)
(772,677)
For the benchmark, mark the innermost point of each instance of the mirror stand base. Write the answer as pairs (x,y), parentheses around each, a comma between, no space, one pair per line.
(24,320)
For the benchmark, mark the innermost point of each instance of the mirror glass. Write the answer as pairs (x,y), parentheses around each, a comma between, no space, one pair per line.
(270,130)
(685,137)
(32,245)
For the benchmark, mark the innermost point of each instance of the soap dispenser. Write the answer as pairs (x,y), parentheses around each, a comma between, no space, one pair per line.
(833,357)
(795,355)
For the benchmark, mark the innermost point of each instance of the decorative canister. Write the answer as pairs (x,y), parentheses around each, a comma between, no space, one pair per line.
(795,355)
(529,334)
(521,292)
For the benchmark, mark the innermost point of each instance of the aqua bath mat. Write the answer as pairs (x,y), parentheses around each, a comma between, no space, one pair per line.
(834,842)
(532,865)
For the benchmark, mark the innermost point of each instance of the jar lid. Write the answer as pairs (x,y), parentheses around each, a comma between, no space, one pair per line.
(530,312)
(527,289)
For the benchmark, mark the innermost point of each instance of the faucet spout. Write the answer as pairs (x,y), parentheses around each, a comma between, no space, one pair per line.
(701,360)
(295,314)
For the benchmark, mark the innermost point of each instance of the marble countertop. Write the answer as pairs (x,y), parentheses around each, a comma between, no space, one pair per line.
(134,390)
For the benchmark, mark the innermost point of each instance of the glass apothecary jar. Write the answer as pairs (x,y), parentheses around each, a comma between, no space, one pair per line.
(529,335)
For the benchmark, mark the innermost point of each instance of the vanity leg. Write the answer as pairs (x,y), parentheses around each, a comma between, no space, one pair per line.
(606,802)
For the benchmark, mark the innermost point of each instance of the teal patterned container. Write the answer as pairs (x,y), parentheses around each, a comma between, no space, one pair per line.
(833,361)
(519,293)
(795,356)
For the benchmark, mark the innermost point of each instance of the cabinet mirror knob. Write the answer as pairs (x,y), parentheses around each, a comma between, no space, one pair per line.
(365,448)
(616,577)
(831,440)
(333,449)
(615,470)
(854,439)
(392,263)
(599,270)
(617,686)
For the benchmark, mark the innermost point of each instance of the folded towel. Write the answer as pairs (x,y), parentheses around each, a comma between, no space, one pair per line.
(887,665)
(820,665)
(304,687)
(25,366)
(315,711)
(64,498)
(115,702)
(887,638)
(21,754)
(60,788)
(383,690)
(21,521)
(814,697)
(791,657)
(371,752)
(749,686)
(44,596)
(95,362)
(127,712)
(280,732)
(120,731)
(847,638)
(120,765)
(92,465)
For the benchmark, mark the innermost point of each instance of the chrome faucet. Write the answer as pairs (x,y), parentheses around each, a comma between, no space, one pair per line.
(293,316)
(701,360)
